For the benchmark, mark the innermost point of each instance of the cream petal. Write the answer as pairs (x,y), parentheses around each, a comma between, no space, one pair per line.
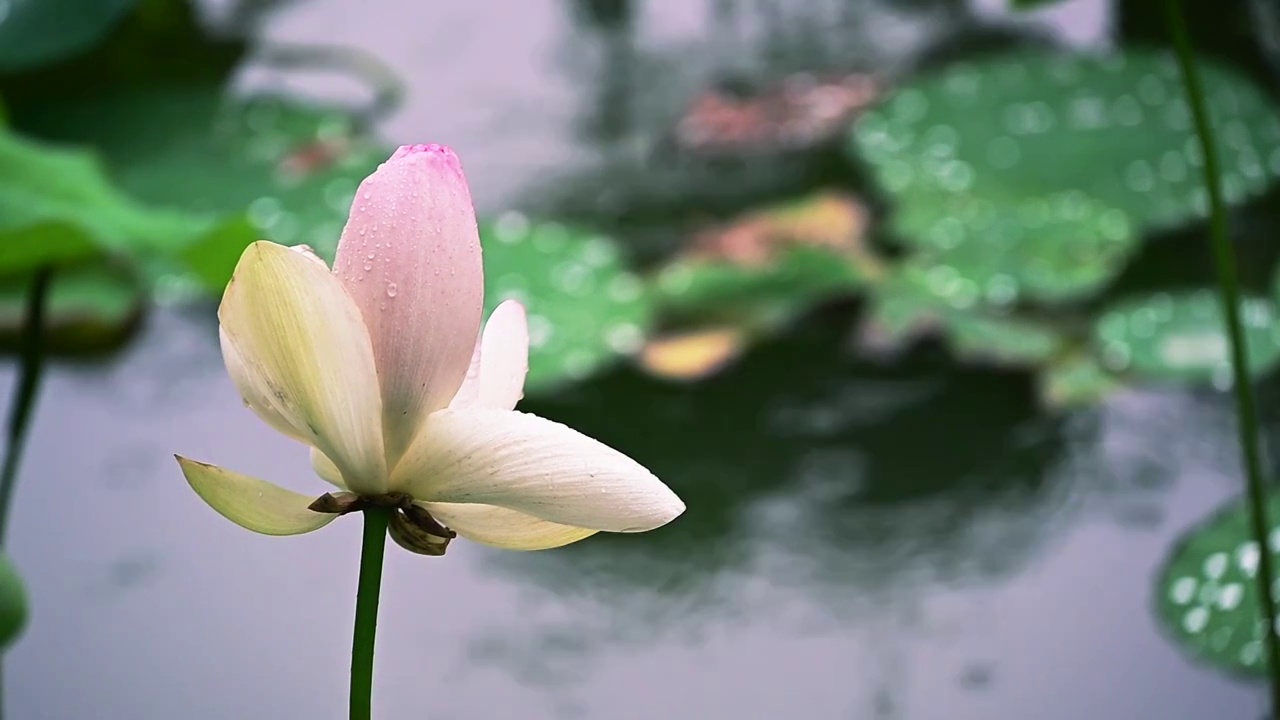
(496,377)
(535,466)
(410,257)
(254,395)
(251,503)
(503,528)
(302,349)
(325,468)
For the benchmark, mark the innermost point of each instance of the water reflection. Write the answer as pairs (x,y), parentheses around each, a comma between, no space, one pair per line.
(802,449)
(887,498)
(803,468)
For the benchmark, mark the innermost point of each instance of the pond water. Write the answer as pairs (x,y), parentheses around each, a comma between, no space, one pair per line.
(864,539)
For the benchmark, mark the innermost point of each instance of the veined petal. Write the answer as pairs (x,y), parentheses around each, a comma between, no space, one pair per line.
(535,466)
(251,503)
(255,395)
(325,468)
(410,257)
(303,351)
(503,528)
(496,377)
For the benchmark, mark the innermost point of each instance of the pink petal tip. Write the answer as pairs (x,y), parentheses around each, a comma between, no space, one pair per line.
(441,153)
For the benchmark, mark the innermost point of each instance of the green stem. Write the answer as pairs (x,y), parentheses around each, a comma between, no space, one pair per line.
(366,628)
(24,398)
(1224,257)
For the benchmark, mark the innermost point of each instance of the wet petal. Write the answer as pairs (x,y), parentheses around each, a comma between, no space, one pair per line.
(301,350)
(251,503)
(496,377)
(410,257)
(503,528)
(526,463)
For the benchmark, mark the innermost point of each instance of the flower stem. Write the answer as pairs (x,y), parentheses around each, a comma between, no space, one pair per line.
(372,550)
(24,398)
(1224,258)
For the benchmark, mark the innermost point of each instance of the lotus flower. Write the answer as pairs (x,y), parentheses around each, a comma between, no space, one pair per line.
(380,367)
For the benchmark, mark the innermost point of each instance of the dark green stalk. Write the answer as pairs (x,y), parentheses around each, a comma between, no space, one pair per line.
(1224,258)
(24,398)
(366,627)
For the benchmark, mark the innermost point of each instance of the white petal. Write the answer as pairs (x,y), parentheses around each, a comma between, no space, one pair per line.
(536,466)
(251,503)
(470,389)
(410,257)
(504,360)
(301,349)
(325,468)
(508,529)
(501,361)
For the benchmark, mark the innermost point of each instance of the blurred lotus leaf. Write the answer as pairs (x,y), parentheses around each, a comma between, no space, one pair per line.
(1075,379)
(42,184)
(1004,341)
(901,307)
(95,302)
(756,296)
(585,308)
(907,304)
(749,278)
(13,603)
(92,308)
(1181,337)
(212,259)
(35,32)
(998,250)
(1206,594)
(1045,167)
(294,167)
(58,209)
(24,250)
